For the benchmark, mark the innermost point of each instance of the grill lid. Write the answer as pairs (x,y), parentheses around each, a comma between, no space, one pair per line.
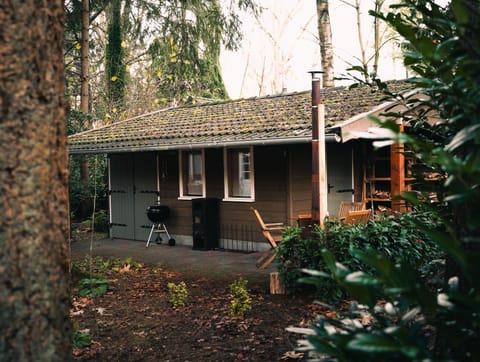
(158,213)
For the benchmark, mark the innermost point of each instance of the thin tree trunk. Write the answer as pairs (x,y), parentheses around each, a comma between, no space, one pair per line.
(34,295)
(84,96)
(361,44)
(325,39)
(377,37)
(85,203)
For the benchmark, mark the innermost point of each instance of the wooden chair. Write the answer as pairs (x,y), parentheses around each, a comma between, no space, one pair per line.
(273,232)
(354,217)
(346,207)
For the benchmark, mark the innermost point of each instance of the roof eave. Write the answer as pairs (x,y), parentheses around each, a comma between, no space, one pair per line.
(330,137)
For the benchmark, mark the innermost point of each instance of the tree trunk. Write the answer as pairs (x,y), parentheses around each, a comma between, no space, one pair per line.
(34,297)
(85,203)
(325,39)
(84,96)
(114,61)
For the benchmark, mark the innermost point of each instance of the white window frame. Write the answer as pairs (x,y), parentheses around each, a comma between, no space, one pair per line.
(226,186)
(181,188)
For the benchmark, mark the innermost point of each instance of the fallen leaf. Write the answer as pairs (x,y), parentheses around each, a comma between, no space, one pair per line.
(291,355)
(125,269)
(100,310)
(76,313)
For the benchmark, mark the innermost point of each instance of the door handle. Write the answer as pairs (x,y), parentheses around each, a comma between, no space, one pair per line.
(352,191)
(330,187)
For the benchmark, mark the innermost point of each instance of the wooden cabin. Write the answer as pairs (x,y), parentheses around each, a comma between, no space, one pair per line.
(209,163)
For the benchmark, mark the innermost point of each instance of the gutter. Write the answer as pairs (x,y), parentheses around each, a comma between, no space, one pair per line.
(332,137)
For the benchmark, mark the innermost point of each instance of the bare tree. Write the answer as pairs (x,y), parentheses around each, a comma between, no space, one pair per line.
(377,35)
(34,297)
(369,60)
(325,40)
(278,49)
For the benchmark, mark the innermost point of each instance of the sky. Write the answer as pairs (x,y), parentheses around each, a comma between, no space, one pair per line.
(279,50)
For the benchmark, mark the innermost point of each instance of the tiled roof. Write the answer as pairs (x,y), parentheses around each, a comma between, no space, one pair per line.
(263,120)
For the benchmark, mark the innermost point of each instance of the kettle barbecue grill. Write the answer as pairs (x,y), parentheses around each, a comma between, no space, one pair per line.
(158,215)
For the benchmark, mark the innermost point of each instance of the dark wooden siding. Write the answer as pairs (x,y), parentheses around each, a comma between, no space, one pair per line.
(282,186)
(300,180)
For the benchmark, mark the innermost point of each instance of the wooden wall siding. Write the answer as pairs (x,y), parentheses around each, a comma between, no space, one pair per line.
(300,181)
(180,221)
(271,180)
(282,189)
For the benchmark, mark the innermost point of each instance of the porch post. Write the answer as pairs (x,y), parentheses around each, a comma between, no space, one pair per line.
(397,173)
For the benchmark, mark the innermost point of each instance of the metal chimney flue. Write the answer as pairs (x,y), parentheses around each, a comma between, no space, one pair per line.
(319,202)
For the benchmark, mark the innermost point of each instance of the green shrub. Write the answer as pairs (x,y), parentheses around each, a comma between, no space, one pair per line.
(80,339)
(178,294)
(240,300)
(93,287)
(397,237)
(101,221)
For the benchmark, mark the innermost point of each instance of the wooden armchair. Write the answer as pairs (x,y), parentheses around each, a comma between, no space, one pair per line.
(346,207)
(354,217)
(273,232)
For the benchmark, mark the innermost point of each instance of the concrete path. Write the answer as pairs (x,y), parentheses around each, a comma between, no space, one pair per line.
(216,264)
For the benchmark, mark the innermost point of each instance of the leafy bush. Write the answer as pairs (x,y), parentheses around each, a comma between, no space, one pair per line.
(101,221)
(395,236)
(240,300)
(80,339)
(178,294)
(93,287)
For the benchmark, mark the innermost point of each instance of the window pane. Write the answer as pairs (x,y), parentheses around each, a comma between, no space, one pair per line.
(192,173)
(239,173)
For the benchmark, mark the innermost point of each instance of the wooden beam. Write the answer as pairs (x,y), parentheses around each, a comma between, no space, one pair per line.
(276,286)
(397,174)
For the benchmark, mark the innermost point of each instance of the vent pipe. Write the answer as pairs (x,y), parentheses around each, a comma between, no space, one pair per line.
(319,169)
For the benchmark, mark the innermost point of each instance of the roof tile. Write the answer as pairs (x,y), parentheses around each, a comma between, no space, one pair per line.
(263,119)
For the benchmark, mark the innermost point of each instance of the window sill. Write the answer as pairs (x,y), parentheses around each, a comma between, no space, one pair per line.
(238,199)
(187,198)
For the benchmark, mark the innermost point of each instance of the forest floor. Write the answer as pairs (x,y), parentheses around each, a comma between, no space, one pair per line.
(136,321)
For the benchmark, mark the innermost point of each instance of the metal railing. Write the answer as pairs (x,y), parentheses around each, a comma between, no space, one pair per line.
(243,238)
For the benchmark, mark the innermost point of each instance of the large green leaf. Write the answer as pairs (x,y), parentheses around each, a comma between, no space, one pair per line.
(373,343)
(464,136)
(460,11)
(362,278)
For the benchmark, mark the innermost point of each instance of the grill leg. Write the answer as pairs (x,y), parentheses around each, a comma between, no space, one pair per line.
(150,236)
(164,229)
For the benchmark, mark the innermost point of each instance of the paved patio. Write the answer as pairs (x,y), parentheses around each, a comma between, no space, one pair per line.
(217,264)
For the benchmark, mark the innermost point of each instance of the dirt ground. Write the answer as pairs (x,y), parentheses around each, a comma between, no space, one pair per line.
(135,321)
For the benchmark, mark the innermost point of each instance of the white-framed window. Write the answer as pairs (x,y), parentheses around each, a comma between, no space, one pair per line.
(191,174)
(238,174)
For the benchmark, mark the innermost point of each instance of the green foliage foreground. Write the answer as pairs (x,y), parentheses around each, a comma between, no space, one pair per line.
(399,318)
